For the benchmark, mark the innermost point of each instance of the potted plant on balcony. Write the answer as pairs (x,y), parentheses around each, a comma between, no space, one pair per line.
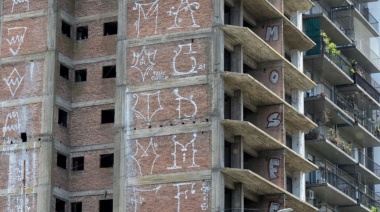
(329,46)
(313,135)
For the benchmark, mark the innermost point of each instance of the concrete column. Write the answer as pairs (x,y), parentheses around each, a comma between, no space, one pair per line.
(299,186)
(121,111)
(237,13)
(217,95)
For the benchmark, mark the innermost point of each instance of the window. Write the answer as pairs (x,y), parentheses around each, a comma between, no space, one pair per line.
(62,118)
(24,137)
(64,71)
(105,205)
(78,164)
(81,75)
(106,161)
(110,28)
(82,32)
(108,116)
(76,207)
(61,160)
(66,29)
(109,71)
(59,205)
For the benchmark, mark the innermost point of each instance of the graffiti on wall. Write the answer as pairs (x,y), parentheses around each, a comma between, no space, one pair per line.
(142,153)
(183,11)
(147,112)
(19,2)
(139,196)
(146,11)
(273,120)
(183,151)
(272,33)
(181,99)
(12,123)
(274,164)
(144,62)
(13,81)
(15,37)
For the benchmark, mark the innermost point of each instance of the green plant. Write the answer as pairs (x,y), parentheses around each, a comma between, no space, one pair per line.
(373,208)
(330,47)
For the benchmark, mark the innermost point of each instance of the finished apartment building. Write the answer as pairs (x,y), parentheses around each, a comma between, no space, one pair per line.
(187,105)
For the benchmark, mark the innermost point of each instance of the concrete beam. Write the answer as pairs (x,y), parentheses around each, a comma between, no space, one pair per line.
(22,58)
(19,102)
(24,15)
(92,103)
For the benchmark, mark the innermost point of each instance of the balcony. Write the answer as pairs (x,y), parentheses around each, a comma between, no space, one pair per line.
(328,21)
(256,94)
(334,69)
(256,140)
(324,141)
(332,185)
(254,183)
(257,49)
(369,169)
(364,11)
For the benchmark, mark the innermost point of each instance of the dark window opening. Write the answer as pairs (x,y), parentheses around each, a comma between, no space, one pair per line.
(82,33)
(105,205)
(227,199)
(78,164)
(108,116)
(227,154)
(24,137)
(76,207)
(81,75)
(109,72)
(106,161)
(227,14)
(61,160)
(62,118)
(66,29)
(289,184)
(289,142)
(64,71)
(110,28)
(59,205)
(227,60)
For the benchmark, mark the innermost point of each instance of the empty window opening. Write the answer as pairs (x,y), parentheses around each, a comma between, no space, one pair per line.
(61,160)
(109,72)
(108,116)
(62,118)
(59,205)
(24,137)
(76,207)
(66,29)
(64,71)
(105,205)
(110,28)
(106,161)
(81,75)
(82,32)
(78,164)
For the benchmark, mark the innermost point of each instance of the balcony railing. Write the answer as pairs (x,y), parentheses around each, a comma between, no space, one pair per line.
(323,132)
(330,173)
(365,48)
(326,208)
(367,162)
(366,14)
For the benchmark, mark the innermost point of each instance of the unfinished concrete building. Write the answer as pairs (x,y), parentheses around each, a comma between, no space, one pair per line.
(153,105)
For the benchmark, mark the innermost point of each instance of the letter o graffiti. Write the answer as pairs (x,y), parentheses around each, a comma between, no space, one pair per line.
(274,77)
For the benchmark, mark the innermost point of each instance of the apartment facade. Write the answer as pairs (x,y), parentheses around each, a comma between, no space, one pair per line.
(158,105)
(344,104)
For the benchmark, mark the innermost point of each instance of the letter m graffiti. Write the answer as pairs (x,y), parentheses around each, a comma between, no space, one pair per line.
(272,32)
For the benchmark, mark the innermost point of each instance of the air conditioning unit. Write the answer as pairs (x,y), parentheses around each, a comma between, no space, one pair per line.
(309,194)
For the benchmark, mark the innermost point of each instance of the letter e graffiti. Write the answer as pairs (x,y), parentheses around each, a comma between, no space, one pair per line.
(274,164)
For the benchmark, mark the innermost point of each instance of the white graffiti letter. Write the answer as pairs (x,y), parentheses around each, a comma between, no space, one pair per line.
(272,32)
(143,62)
(15,2)
(143,152)
(17,35)
(148,114)
(179,193)
(205,190)
(184,151)
(274,206)
(14,81)
(184,7)
(180,99)
(138,198)
(274,77)
(153,10)
(11,123)
(192,59)
(274,163)
(273,120)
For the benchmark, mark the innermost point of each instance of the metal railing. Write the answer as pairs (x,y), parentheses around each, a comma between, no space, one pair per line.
(329,173)
(364,11)
(326,208)
(367,162)
(341,62)
(365,49)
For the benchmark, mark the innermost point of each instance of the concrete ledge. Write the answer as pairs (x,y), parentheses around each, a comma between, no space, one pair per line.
(18,102)
(24,15)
